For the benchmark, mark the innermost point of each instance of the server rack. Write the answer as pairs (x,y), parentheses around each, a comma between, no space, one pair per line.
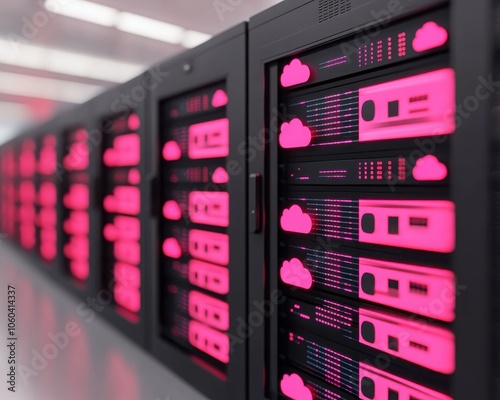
(46,190)
(118,127)
(337,87)
(74,176)
(197,227)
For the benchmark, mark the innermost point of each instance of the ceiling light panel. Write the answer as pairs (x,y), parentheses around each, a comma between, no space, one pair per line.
(46,88)
(84,10)
(66,62)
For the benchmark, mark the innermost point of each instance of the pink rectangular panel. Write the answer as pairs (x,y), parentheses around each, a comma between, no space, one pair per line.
(421,105)
(380,383)
(127,275)
(413,224)
(129,228)
(77,223)
(77,248)
(127,251)
(209,139)
(47,216)
(128,297)
(124,200)
(77,197)
(417,342)
(126,151)
(425,291)
(210,208)
(209,246)
(79,269)
(209,276)
(210,341)
(209,310)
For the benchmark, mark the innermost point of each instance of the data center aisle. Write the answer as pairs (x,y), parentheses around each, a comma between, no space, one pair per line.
(93,364)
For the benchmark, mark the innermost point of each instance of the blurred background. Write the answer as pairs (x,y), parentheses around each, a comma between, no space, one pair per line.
(58,53)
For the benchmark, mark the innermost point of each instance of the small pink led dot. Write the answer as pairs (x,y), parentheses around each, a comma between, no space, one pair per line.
(134,122)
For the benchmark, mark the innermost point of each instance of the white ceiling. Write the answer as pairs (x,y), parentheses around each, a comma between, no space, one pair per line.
(34,80)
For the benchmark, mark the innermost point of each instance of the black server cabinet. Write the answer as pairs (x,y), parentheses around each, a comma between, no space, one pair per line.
(374,230)
(198,234)
(31,195)
(74,176)
(118,128)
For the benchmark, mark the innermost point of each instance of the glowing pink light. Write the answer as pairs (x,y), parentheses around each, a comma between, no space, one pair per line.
(209,246)
(432,347)
(295,73)
(171,151)
(79,269)
(429,36)
(294,134)
(429,168)
(418,288)
(220,176)
(209,139)
(134,122)
(210,208)
(294,273)
(421,224)
(424,104)
(219,99)
(171,248)
(210,341)
(209,276)
(293,387)
(295,220)
(210,311)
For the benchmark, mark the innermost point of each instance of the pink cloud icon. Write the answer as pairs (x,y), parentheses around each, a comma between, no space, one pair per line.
(293,387)
(220,175)
(295,73)
(172,248)
(220,99)
(429,168)
(294,273)
(294,219)
(429,36)
(172,210)
(171,151)
(294,134)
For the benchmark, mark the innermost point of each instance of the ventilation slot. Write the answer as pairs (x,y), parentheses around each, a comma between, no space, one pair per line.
(332,8)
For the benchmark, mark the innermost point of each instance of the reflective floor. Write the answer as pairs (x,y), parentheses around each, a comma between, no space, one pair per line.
(62,357)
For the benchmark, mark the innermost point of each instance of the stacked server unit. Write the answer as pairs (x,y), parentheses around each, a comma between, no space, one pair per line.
(301,208)
(360,244)
(199,274)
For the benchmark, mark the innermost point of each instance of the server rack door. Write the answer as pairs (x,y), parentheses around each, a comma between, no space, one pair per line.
(364,215)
